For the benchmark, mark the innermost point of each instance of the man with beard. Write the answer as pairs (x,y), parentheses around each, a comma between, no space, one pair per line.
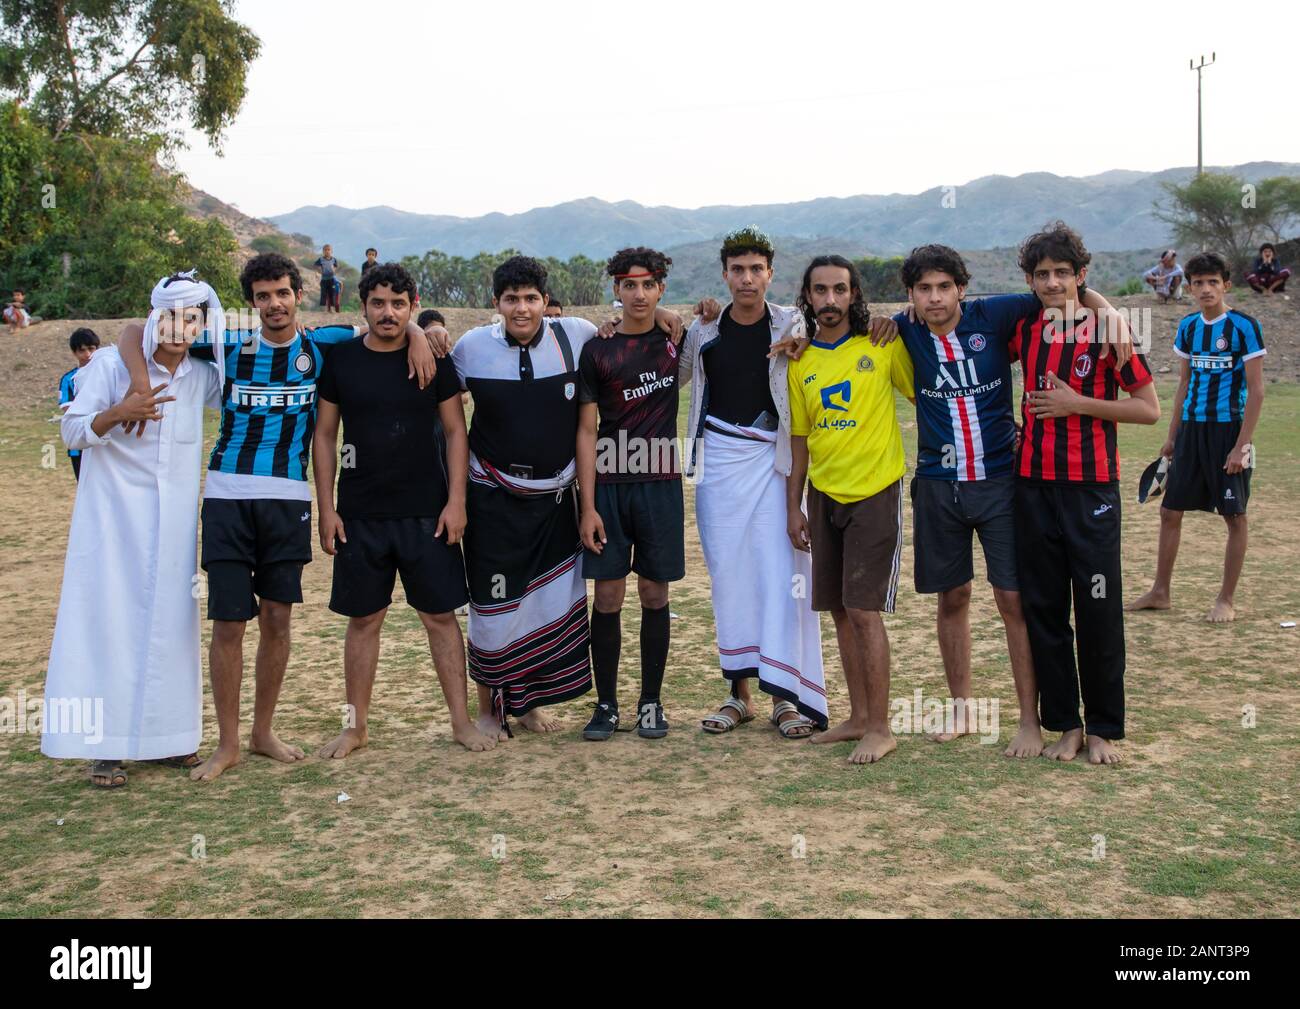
(401,503)
(845,437)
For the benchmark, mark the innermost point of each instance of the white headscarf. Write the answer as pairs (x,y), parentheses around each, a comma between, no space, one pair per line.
(185,290)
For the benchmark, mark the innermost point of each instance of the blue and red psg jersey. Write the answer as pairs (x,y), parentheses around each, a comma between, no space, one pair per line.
(965,410)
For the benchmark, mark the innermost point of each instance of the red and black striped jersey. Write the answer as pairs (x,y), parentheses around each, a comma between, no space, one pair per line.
(1078,448)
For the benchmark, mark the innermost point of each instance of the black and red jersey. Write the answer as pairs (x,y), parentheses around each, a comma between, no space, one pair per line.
(1078,448)
(633,382)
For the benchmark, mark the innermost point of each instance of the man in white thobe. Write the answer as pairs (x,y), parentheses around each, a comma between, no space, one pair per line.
(124,680)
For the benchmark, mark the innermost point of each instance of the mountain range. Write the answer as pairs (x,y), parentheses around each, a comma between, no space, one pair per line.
(1113,210)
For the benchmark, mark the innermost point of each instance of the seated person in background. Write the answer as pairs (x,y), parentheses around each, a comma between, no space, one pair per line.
(1166,277)
(554,309)
(15,313)
(1268,276)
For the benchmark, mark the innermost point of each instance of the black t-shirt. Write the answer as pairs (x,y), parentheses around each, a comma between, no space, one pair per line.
(737,369)
(633,382)
(392,465)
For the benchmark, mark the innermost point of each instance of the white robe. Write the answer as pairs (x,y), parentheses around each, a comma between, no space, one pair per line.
(124,680)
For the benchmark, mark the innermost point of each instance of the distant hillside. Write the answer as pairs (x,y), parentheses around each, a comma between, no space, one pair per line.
(1113,210)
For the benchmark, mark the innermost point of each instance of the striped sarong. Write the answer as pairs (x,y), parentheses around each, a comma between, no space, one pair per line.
(528,631)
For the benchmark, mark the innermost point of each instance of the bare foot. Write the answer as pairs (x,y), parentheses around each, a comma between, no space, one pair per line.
(1066,747)
(489,725)
(271,746)
(469,736)
(1221,613)
(1102,751)
(945,737)
(1028,742)
(874,746)
(222,759)
(840,733)
(1153,600)
(344,743)
(538,721)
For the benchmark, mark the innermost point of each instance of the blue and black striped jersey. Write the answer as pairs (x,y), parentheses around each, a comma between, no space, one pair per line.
(1217,350)
(268,413)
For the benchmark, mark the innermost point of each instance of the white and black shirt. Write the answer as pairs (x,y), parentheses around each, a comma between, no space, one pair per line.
(525,397)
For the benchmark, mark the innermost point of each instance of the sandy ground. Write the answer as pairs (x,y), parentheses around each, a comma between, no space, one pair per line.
(1201,819)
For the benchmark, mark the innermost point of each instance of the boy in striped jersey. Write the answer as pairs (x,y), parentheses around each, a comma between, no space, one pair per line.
(1067,498)
(83,343)
(1216,409)
(256,500)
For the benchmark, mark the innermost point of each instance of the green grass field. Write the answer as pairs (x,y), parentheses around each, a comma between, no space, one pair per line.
(1202,818)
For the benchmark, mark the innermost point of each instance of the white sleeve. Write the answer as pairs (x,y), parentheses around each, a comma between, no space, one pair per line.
(579,330)
(97,390)
(458,353)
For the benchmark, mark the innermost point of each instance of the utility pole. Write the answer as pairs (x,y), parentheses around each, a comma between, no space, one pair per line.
(1200,169)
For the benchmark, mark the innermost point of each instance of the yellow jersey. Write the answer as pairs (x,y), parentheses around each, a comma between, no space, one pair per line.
(842,401)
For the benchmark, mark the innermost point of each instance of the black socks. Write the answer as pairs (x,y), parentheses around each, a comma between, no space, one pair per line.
(606,643)
(654,651)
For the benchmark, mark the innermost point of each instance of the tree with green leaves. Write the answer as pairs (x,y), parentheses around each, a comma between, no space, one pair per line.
(882,278)
(88,224)
(1228,215)
(121,68)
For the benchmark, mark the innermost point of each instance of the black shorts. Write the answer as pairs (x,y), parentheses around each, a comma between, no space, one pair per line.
(1197,479)
(367,565)
(254,550)
(945,513)
(645,531)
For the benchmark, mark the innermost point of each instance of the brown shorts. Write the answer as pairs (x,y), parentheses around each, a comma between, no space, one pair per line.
(856,550)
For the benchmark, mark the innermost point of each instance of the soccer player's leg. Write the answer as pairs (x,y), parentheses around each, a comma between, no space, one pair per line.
(362,591)
(1231,494)
(1092,526)
(609,570)
(943,565)
(993,506)
(827,541)
(228,550)
(872,538)
(283,546)
(433,578)
(1042,566)
(658,519)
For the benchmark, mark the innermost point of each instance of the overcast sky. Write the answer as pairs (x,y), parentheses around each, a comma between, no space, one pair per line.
(470,107)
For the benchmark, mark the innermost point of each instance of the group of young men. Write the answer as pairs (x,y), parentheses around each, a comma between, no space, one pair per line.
(571,470)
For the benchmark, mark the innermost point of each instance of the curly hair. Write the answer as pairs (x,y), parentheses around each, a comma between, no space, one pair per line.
(651,260)
(747,241)
(940,258)
(859,314)
(1056,241)
(1207,264)
(391,275)
(269,266)
(516,272)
